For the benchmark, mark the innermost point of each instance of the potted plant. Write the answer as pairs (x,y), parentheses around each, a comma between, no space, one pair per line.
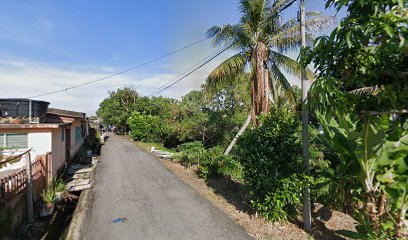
(48,197)
(15,121)
(59,189)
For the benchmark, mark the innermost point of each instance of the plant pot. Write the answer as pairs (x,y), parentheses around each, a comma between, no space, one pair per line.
(58,197)
(15,121)
(46,210)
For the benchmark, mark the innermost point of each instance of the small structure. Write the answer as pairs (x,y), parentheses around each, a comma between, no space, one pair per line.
(50,137)
(59,133)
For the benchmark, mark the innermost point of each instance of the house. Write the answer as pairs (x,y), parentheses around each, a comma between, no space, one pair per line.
(75,132)
(27,124)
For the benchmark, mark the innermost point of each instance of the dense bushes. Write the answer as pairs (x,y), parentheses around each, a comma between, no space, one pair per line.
(212,120)
(143,127)
(211,162)
(360,98)
(271,157)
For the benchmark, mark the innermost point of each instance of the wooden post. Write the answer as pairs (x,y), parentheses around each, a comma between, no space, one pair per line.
(30,204)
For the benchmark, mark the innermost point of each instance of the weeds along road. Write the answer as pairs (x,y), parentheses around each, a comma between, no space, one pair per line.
(155,204)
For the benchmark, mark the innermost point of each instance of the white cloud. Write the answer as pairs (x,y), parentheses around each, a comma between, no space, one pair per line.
(23,78)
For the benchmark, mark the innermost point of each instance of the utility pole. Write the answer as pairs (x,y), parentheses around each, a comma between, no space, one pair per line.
(305,123)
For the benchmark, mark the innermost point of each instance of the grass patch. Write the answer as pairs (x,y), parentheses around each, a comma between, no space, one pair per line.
(147,146)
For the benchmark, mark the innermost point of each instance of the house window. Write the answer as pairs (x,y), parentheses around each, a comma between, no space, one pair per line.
(62,134)
(13,140)
(78,134)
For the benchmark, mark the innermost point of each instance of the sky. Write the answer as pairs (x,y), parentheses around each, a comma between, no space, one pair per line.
(51,45)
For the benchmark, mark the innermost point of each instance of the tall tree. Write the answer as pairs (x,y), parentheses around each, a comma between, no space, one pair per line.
(116,109)
(260,38)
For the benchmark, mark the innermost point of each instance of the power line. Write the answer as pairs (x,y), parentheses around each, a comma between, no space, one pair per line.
(161,89)
(187,70)
(121,72)
(157,59)
(190,72)
(280,10)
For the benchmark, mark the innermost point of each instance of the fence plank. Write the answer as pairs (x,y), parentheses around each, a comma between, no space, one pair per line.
(15,183)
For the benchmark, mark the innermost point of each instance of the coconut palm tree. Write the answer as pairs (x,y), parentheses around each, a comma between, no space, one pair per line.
(259,40)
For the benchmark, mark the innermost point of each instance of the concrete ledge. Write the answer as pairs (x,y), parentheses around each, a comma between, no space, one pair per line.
(73,232)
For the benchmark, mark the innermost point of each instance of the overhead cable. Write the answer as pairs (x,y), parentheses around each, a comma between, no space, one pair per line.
(119,73)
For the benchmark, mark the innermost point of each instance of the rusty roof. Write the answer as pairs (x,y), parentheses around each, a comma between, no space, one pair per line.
(66,113)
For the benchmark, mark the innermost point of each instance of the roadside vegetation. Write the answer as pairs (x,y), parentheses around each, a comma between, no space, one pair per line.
(358,115)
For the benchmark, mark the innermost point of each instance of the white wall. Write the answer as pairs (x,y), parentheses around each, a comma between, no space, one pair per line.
(40,142)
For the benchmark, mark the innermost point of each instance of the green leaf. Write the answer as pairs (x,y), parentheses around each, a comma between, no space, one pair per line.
(387,177)
(348,38)
(389,31)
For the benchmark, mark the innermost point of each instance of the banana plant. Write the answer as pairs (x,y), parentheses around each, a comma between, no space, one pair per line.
(394,162)
(374,151)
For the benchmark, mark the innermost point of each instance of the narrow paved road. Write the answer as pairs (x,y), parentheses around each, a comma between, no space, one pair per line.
(131,184)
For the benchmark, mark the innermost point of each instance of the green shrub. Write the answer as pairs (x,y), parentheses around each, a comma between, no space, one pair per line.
(212,162)
(271,158)
(143,127)
(229,166)
(190,153)
(209,163)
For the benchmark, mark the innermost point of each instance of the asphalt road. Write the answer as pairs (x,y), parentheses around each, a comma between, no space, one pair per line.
(156,204)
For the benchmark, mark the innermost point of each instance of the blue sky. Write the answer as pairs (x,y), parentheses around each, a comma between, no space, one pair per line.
(49,45)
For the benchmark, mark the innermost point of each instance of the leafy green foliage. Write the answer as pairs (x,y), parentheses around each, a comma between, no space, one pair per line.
(260,40)
(366,54)
(211,162)
(190,153)
(142,126)
(373,152)
(271,157)
(230,167)
(359,97)
(48,195)
(209,167)
(116,109)
(58,184)
(212,120)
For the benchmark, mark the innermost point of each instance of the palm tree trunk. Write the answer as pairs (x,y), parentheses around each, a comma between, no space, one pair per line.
(253,101)
(240,132)
(260,85)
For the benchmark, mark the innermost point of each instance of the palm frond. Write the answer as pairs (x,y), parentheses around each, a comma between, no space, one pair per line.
(295,23)
(290,65)
(288,35)
(224,35)
(277,7)
(226,71)
(229,35)
(370,90)
(279,79)
(312,14)
(281,85)
(254,13)
(319,22)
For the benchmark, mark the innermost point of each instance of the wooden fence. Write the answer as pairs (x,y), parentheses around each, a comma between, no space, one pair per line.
(15,183)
